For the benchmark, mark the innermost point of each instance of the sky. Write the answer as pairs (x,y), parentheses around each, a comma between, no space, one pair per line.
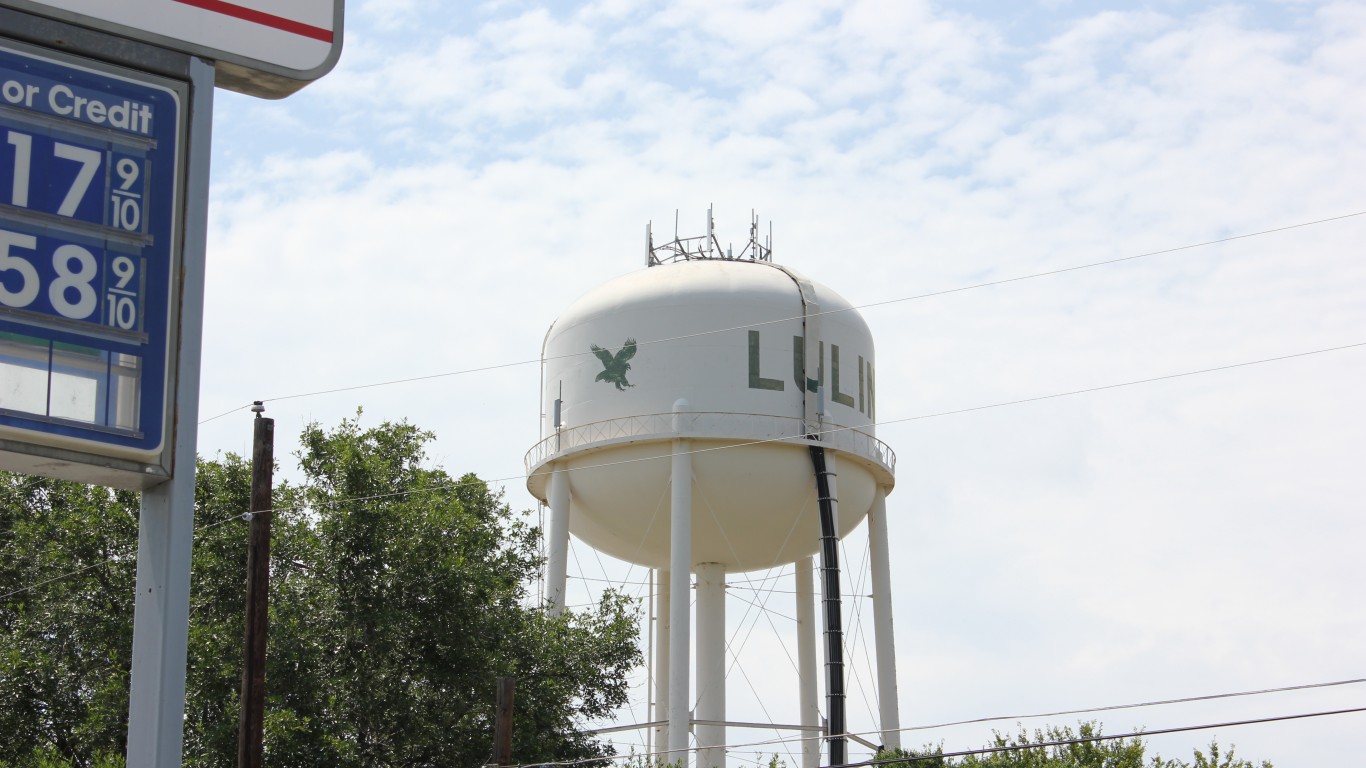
(426,210)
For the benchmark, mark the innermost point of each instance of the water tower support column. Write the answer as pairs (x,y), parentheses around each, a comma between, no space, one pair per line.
(883,637)
(711,663)
(806,663)
(557,559)
(662,669)
(680,563)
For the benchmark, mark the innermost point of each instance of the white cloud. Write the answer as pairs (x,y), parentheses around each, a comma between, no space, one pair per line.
(433,204)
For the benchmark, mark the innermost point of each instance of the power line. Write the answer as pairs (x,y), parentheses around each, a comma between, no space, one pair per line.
(472,483)
(1060,713)
(983,750)
(1091,739)
(1118,260)
(886,302)
(1135,382)
(832,430)
(67,575)
(994,718)
(1139,705)
(124,551)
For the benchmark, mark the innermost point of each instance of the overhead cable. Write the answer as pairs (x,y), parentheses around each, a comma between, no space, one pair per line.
(905,419)
(463,483)
(979,751)
(885,302)
(1112,737)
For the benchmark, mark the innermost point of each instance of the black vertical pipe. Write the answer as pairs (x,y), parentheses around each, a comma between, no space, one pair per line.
(830,600)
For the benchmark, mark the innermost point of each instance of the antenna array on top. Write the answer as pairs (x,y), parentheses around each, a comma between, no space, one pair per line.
(707,246)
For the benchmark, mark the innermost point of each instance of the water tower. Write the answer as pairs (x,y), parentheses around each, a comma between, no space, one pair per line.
(714,413)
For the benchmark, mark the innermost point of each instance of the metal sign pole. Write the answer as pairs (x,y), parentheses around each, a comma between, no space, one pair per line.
(103,223)
(156,709)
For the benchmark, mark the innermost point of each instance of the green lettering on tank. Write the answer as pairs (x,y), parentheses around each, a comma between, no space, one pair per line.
(872,400)
(860,384)
(755,380)
(799,364)
(835,394)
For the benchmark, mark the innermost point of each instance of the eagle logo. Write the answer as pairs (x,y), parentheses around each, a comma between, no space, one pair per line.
(614,367)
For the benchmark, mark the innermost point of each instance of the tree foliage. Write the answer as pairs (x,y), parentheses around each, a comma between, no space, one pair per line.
(63,664)
(1061,747)
(398,595)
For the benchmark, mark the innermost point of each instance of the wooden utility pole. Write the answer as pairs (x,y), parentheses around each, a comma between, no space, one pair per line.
(250,729)
(502,724)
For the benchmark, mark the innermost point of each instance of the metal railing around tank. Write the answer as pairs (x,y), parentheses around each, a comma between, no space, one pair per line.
(708,424)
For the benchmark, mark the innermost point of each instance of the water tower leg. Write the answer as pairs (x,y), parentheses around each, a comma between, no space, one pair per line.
(557,559)
(711,663)
(680,566)
(662,670)
(807,672)
(883,637)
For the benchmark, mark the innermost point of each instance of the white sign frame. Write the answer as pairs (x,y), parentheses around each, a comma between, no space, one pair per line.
(266,48)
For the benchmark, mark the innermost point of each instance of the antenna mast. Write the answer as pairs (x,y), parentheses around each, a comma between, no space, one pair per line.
(707,246)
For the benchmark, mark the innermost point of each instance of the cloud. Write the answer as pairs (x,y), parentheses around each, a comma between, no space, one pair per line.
(432,205)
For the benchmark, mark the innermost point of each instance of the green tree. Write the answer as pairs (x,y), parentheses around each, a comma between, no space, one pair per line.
(398,595)
(1226,761)
(1042,749)
(63,663)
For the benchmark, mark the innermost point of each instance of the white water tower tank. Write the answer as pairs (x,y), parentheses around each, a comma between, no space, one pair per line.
(729,337)
(705,416)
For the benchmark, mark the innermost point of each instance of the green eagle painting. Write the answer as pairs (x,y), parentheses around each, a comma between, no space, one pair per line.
(615,366)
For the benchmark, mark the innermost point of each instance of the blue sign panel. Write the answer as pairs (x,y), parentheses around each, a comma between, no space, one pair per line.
(90,162)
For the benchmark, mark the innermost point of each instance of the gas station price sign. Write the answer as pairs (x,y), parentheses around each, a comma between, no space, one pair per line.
(90,164)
